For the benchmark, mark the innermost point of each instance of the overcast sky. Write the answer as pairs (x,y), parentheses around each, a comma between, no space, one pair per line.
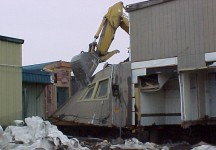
(58,29)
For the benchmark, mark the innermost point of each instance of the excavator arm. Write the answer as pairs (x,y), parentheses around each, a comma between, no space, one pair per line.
(84,64)
(113,19)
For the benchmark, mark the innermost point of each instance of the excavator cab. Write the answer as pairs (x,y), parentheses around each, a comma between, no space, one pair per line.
(84,64)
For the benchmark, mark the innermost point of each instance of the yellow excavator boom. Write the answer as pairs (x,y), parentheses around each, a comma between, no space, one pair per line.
(113,19)
(84,64)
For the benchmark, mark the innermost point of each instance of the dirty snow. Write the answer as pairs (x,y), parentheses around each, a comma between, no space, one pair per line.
(40,134)
(37,134)
(205,147)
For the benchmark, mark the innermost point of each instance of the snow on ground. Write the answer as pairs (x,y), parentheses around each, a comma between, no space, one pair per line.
(205,147)
(40,134)
(37,134)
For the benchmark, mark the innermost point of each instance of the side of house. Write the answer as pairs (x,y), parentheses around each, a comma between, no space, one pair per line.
(11,79)
(34,99)
(173,54)
(49,88)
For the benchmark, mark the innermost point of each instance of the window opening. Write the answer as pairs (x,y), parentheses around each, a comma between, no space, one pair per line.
(102,88)
(89,93)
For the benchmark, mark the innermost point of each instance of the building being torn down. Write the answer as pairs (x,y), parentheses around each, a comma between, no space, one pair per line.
(173,54)
(173,80)
(104,102)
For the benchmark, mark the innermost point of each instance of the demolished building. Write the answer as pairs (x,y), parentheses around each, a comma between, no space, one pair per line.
(172,66)
(104,102)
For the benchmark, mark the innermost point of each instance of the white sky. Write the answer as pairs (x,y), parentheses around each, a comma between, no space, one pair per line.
(57,30)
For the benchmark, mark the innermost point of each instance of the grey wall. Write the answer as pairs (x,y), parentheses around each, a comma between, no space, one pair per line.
(182,28)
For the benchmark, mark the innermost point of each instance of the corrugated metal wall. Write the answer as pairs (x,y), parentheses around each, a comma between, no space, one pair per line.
(183,28)
(11,82)
(33,99)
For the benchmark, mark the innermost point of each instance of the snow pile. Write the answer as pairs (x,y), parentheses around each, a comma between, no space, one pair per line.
(37,134)
(205,147)
(136,144)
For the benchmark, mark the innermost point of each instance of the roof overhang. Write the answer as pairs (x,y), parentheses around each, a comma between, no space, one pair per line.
(10,39)
(34,76)
(141,5)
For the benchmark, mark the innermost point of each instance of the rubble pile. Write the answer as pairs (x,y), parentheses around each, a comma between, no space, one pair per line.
(134,143)
(119,144)
(37,134)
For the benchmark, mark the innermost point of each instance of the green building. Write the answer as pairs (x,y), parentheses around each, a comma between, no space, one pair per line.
(11,79)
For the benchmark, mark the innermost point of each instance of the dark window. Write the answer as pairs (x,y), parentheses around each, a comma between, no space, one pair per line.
(102,88)
(55,77)
(89,93)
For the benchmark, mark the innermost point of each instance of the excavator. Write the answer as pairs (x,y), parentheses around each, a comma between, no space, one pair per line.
(84,64)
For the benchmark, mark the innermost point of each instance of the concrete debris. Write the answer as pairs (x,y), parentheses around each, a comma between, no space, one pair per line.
(103,144)
(117,141)
(134,143)
(37,134)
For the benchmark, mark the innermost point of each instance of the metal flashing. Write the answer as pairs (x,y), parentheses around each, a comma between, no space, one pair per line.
(39,66)
(48,65)
(10,39)
(155,63)
(210,56)
(136,73)
(140,5)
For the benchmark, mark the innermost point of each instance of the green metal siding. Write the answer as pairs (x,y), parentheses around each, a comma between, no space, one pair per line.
(35,76)
(10,54)
(33,99)
(11,82)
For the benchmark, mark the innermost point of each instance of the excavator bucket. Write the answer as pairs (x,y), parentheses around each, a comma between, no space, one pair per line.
(83,66)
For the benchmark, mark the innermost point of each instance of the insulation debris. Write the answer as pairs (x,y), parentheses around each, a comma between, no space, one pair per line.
(37,134)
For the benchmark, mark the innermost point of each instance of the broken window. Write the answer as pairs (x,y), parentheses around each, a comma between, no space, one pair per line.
(102,89)
(153,82)
(148,81)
